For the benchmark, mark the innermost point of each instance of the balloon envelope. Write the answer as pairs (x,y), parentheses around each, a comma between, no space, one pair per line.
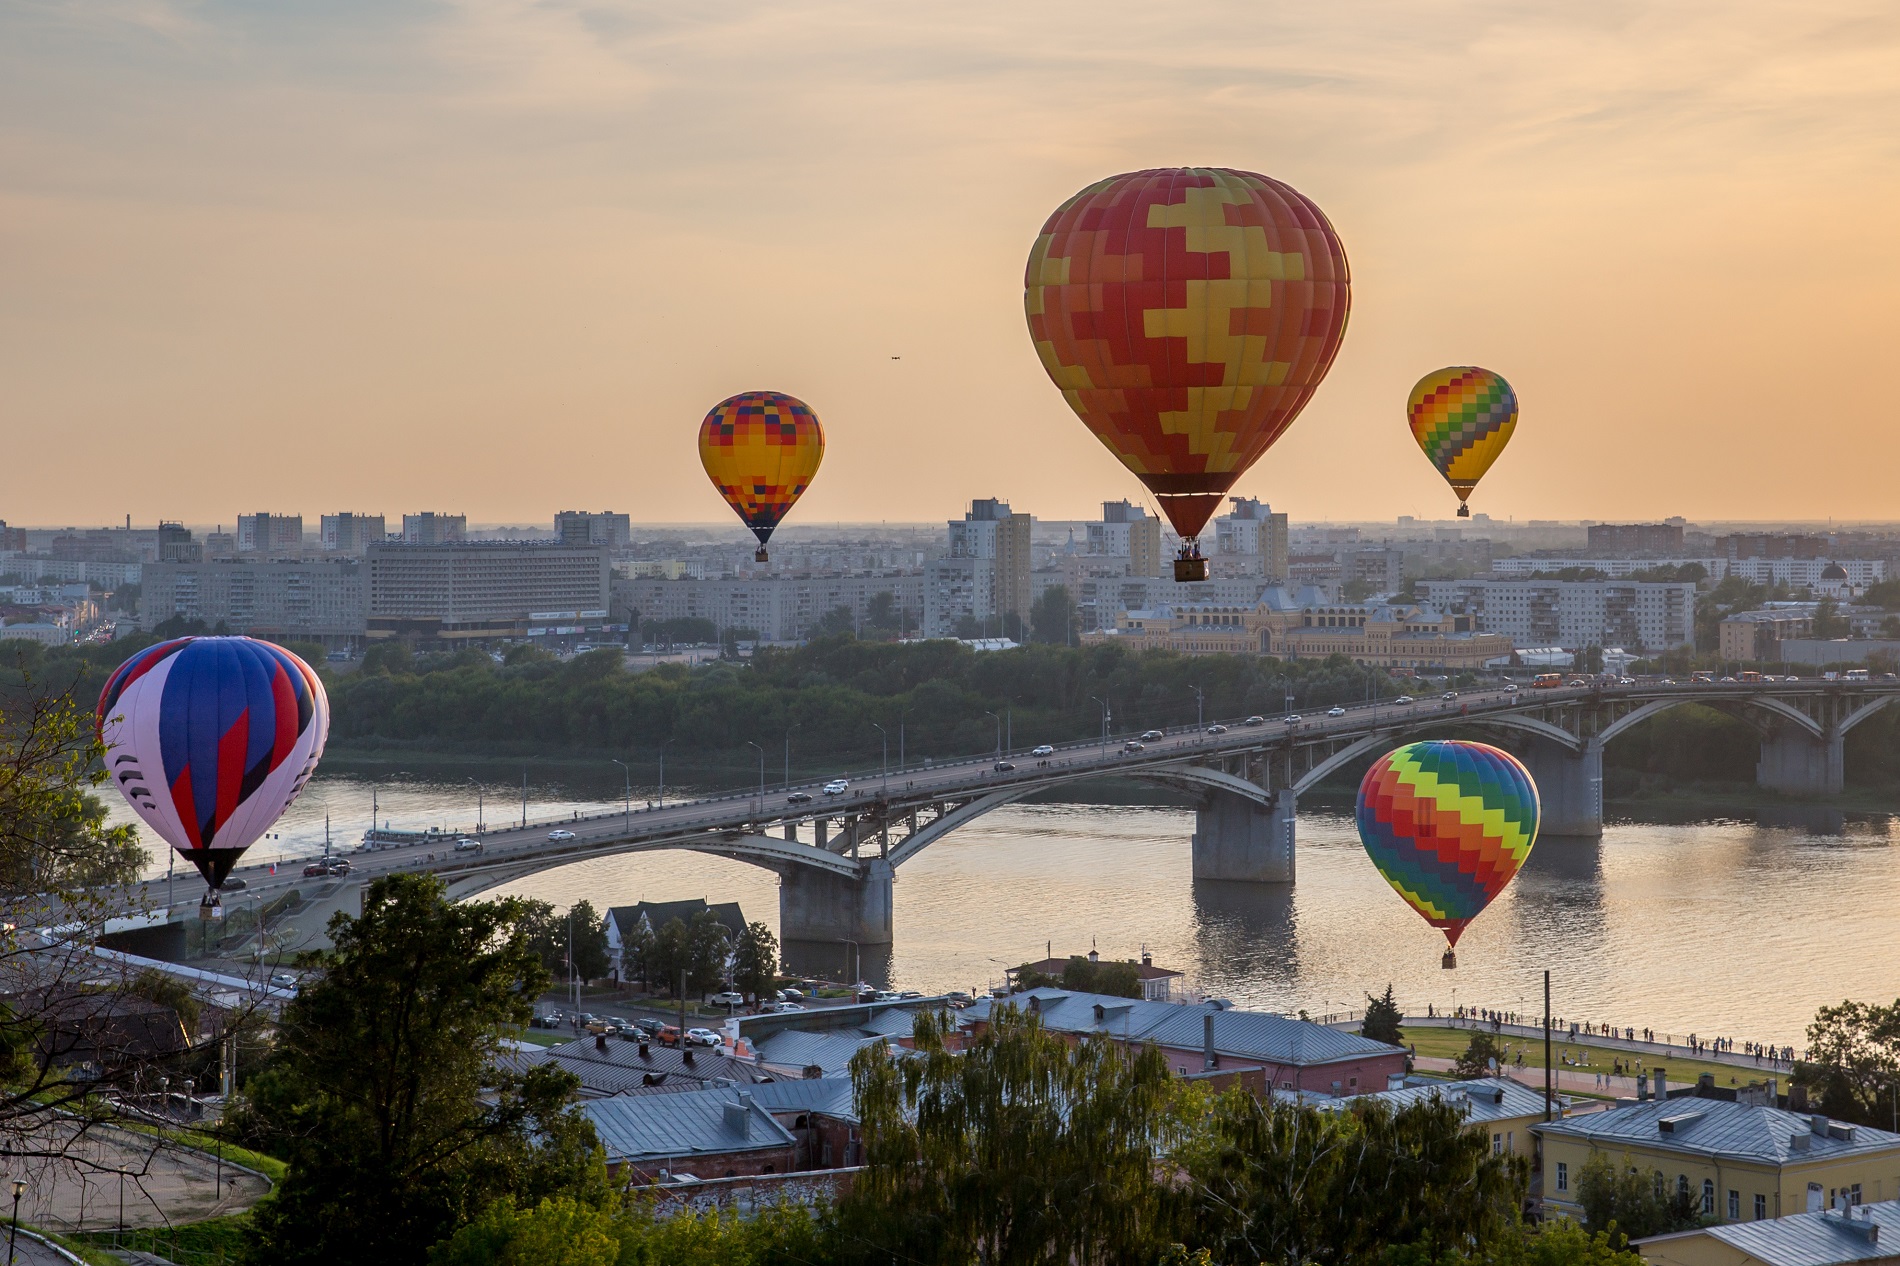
(210,739)
(1187,314)
(761,449)
(1462,417)
(1448,824)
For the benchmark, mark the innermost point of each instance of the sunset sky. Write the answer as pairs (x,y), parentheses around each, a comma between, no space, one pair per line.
(500,256)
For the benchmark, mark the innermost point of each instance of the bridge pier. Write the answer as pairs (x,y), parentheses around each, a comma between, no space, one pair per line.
(1237,837)
(816,905)
(1569,787)
(1796,763)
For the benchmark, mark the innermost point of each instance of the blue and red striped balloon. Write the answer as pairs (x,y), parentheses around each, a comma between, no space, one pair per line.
(210,739)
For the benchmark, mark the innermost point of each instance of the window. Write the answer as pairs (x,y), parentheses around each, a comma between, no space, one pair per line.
(1761,1206)
(1682,1185)
(1853,1194)
(1734,1206)
(1563,1177)
(1497,1145)
(1708,1195)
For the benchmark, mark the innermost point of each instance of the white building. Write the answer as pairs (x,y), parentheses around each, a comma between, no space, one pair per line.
(777,608)
(1651,615)
(1253,529)
(350,534)
(1129,532)
(985,575)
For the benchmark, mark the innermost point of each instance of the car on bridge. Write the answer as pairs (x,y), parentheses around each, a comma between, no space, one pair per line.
(1449,695)
(837,786)
(1335,712)
(1510,688)
(1254,721)
(1217,729)
(314,869)
(1003,767)
(1042,749)
(1292,718)
(799,797)
(558,836)
(1134,745)
(468,846)
(1403,699)
(1150,736)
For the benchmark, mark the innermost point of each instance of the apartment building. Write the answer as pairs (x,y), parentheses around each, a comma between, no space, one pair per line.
(319,601)
(1532,611)
(479,590)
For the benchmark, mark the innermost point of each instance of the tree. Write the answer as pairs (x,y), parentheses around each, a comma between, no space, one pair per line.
(755,961)
(1828,620)
(1052,617)
(883,616)
(1382,1019)
(590,941)
(388,1097)
(564,1232)
(1626,1203)
(837,622)
(1483,1052)
(709,953)
(1020,1150)
(1120,980)
(1853,1061)
(670,955)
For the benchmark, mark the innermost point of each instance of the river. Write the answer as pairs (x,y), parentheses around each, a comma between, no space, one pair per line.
(1730,927)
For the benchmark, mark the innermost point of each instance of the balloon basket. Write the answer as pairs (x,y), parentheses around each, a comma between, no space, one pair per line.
(759,555)
(1449,961)
(1464,511)
(210,911)
(1189,569)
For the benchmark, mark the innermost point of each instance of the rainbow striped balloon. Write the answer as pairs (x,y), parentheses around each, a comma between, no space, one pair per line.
(1462,417)
(1448,824)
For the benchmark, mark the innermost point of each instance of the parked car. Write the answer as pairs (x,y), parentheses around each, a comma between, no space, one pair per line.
(1134,745)
(788,994)
(1042,749)
(468,846)
(886,995)
(799,797)
(1403,699)
(1254,721)
(702,1037)
(1217,729)
(558,836)
(1149,736)
(284,979)
(837,786)
(910,993)
(1335,712)
(729,998)
(669,1035)
(956,996)
(1003,767)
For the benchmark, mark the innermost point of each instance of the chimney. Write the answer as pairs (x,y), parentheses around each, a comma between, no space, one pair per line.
(1642,1087)
(686,1056)
(1774,1099)
(739,1115)
(600,1042)
(1209,1060)
(1818,1124)
(1659,1084)
(1147,959)
(645,1051)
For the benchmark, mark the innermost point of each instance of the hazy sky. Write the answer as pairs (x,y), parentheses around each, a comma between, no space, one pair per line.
(500,256)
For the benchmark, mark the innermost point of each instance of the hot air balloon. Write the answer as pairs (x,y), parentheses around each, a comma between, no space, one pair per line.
(761,449)
(1462,417)
(1187,314)
(1448,824)
(210,739)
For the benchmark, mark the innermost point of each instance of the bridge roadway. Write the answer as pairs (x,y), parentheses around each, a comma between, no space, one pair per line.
(836,856)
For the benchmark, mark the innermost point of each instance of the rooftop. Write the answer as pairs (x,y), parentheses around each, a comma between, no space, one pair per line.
(1807,1239)
(1730,1131)
(621,1067)
(693,1123)
(1483,1099)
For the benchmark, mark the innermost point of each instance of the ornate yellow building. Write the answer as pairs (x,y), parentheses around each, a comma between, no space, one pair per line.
(1384,635)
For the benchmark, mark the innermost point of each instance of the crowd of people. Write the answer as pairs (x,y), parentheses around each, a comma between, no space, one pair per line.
(1763,1053)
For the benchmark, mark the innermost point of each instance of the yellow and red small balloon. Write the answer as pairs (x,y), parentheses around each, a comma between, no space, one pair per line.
(1462,417)
(761,449)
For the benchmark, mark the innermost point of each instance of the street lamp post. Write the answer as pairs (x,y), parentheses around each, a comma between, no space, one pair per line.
(1200,707)
(663,748)
(788,751)
(626,803)
(885,764)
(479,812)
(1104,706)
(999,732)
(761,751)
(13,1232)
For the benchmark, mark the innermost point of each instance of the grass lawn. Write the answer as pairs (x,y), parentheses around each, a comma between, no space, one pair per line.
(1451,1043)
(209,1243)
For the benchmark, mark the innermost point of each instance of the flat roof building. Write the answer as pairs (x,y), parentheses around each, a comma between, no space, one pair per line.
(479,590)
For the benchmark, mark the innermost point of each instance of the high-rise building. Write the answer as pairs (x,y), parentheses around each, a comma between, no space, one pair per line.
(479,590)
(1253,528)
(314,601)
(176,546)
(1771,545)
(1533,611)
(1636,538)
(12,540)
(430,528)
(270,535)
(986,574)
(582,527)
(351,534)
(1128,531)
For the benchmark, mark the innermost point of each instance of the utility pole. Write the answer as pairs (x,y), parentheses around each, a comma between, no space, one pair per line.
(626,784)
(1550,1074)
(1200,707)
(524,797)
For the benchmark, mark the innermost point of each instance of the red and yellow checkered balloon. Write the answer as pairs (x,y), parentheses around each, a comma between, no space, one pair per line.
(1187,314)
(761,450)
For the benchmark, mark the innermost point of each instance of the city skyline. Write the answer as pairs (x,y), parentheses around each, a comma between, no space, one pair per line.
(414,246)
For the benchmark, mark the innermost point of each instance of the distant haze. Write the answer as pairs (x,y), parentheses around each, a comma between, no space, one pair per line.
(499,257)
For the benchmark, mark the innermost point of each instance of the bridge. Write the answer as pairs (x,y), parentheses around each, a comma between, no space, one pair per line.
(836,855)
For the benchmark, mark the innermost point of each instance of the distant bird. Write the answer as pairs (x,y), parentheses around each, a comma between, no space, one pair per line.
(897,358)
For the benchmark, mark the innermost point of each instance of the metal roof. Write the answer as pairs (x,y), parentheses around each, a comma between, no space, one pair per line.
(1243,1034)
(1810,1239)
(1716,1127)
(831,1096)
(693,1123)
(621,1067)
(799,1048)
(1483,1098)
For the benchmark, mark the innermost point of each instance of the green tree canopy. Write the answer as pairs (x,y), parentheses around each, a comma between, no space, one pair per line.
(1853,1061)
(755,962)
(1483,1050)
(1382,1019)
(387,1095)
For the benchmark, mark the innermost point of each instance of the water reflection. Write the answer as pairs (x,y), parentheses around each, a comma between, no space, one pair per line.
(1731,927)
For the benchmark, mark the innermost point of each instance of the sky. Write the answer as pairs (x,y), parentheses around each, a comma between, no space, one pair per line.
(498,257)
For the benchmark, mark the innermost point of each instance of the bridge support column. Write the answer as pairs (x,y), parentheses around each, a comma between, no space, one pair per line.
(1236,837)
(1569,788)
(1796,763)
(816,905)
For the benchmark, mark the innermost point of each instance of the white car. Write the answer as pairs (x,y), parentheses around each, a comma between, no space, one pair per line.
(1511,689)
(730,998)
(1217,729)
(468,846)
(1292,718)
(837,786)
(1403,699)
(702,1037)
(1042,749)
(1335,712)
(558,836)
